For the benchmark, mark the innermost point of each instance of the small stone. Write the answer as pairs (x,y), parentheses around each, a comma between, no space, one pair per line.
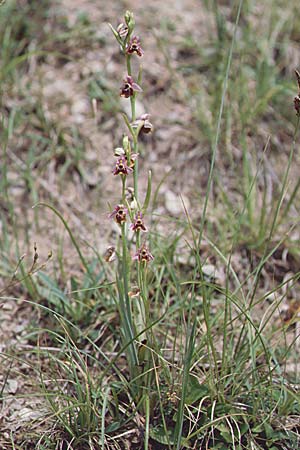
(213,273)
(175,203)
(209,270)
(11,386)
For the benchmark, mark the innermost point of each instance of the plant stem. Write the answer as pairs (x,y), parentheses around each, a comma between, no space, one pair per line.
(132,98)
(125,268)
(147,428)
(135,174)
(123,189)
(135,140)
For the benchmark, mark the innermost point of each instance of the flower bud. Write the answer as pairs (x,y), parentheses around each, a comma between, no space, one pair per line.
(129,19)
(297,105)
(126,143)
(297,98)
(122,30)
(119,151)
(110,254)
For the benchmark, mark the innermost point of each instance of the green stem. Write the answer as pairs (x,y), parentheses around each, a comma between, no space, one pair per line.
(123,189)
(147,424)
(135,174)
(125,268)
(132,102)
(68,229)
(132,98)
(133,118)
(128,64)
(138,239)
(145,294)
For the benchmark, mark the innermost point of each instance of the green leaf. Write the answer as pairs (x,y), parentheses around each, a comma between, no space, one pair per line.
(224,432)
(74,286)
(52,292)
(269,431)
(159,435)
(244,427)
(148,193)
(195,390)
(258,429)
(115,33)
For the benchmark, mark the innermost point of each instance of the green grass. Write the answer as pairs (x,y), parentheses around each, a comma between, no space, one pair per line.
(220,363)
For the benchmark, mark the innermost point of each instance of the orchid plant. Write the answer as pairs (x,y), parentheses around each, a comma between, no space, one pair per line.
(131,280)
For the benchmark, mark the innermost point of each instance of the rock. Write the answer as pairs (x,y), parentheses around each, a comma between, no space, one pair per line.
(11,386)
(211,272)
(175,203)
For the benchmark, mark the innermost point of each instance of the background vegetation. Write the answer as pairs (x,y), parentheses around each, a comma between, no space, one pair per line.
(218,79)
